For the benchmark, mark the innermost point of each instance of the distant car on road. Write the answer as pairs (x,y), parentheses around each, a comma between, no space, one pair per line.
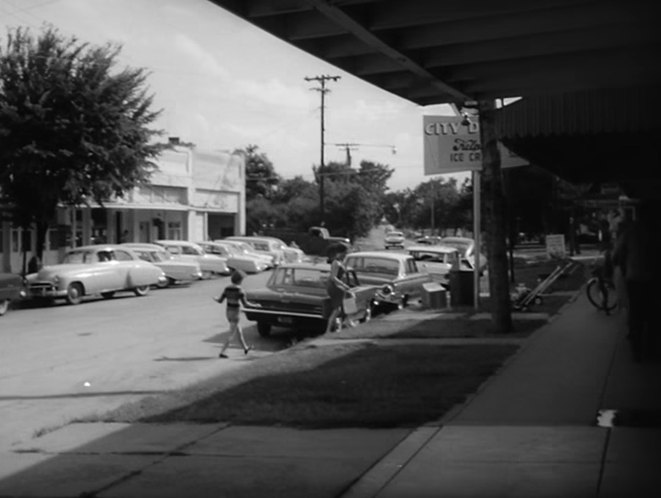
(210,264)
(12,288)
(394,239)
(235,258)
(397,275)
(295,296)
(97,269)
(176,271)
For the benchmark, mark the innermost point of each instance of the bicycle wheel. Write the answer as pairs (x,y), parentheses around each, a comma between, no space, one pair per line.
(606,301)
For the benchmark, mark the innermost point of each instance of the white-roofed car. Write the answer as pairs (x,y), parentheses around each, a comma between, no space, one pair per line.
(396,273)
(467,247)
(248,250)
(210,264)
(97,269)
(176,270)
(270,245)
(236,259)
(438,261)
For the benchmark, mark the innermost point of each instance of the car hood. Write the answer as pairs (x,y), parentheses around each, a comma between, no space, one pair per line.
(48,272)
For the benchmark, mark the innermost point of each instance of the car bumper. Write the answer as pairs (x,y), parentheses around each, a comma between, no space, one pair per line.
(46,291)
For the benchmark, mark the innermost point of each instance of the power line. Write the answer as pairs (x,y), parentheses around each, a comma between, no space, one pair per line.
(322,79)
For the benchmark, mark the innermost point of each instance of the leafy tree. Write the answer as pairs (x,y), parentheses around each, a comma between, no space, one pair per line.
(73,127)
(261,178)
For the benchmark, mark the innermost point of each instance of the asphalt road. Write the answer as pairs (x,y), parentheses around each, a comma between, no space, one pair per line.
(61,362)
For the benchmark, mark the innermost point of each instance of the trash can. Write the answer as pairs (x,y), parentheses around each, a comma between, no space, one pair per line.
(461,287)
(433,295)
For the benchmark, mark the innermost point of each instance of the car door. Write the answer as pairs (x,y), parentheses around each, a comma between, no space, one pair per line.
(106,273)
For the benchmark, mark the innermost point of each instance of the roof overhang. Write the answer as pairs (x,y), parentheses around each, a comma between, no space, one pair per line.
(432,52)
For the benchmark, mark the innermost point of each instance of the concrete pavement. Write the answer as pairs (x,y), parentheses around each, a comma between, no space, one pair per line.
(531,430)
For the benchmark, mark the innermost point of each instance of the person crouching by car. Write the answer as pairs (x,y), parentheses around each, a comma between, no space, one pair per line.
(337,289)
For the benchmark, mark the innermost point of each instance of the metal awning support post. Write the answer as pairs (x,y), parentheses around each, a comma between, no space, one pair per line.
(477,222)
(495,227)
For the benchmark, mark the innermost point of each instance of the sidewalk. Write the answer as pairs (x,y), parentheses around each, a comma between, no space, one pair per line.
(530,431)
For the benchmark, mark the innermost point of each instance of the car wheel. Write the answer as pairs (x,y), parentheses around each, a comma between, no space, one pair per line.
(264,329)
(107,295)
(4,306)
(75,293)
(162,284)
(141,291)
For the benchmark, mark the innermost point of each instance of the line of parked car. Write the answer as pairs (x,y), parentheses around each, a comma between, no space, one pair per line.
(105,269)
(294,296)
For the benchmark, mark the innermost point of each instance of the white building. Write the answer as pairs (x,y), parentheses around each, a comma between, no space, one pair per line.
(194,195)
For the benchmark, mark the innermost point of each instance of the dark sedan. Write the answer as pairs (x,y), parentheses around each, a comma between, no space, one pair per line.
(12,288)
(295,297)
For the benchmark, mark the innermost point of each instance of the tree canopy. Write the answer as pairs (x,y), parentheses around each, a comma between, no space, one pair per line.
(74,128)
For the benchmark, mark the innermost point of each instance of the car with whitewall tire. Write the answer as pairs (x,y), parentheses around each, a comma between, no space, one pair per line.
(92,270)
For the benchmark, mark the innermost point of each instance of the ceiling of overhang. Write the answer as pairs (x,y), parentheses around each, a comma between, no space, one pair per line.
(439,51)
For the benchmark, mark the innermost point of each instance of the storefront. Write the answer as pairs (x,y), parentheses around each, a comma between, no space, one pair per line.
(193,195)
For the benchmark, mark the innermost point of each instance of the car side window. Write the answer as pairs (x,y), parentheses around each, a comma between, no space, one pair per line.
(145,256)
(122,255)
(173,250)
(103,256)
(411,267)
(190,251)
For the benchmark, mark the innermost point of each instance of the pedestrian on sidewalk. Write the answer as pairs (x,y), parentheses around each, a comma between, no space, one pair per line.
(636,252)
(235,297)
(336,287)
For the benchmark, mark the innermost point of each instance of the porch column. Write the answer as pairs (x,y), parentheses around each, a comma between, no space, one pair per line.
(6,247)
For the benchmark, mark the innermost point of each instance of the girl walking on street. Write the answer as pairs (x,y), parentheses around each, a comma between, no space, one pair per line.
(235,297)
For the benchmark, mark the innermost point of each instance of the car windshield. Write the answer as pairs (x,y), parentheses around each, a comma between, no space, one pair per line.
(374,265)
(395,234)
(78,257)
(300,277)
(430,256)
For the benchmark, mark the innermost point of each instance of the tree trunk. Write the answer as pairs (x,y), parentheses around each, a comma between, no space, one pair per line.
(494,204)
(42,228)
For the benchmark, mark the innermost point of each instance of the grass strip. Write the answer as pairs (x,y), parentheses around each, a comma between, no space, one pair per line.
(348,385)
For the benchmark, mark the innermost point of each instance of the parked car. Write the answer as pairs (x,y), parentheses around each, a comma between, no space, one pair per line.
(97,269)
(210,264)
(236,260)
(271,246)
(12,288)
(394,239)
(428,240)
(295,296)
(467,247)
(176,271)
(397,274)
(438,261)
(248,250)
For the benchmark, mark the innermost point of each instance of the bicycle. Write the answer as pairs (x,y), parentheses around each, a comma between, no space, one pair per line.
(601,291)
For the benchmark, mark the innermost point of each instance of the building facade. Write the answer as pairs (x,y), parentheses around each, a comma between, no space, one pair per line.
(193,195)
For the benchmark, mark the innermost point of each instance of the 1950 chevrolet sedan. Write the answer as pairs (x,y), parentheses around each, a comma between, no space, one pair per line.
(98,269)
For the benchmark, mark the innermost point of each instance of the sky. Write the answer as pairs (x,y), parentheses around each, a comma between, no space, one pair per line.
(223,84)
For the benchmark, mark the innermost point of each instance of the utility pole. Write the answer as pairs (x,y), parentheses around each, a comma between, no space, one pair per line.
(322,79)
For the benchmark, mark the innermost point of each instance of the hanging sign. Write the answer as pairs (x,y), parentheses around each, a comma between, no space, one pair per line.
(451,146)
